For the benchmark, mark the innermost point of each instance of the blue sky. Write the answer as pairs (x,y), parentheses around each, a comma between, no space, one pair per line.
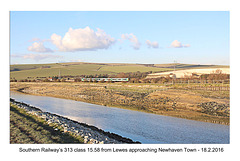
(194,37)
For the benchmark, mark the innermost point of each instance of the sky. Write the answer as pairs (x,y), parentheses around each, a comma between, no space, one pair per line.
(148,37)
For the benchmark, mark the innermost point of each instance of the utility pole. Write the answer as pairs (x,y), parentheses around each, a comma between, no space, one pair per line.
(59,75)
(175,62)
(174,76)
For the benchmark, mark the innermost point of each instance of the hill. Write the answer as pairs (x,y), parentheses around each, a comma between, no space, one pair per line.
(188,72)
(32,71)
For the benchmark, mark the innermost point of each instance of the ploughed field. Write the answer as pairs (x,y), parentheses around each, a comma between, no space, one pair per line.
(194,104)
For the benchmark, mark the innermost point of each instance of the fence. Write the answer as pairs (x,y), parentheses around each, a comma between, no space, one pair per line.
(210,85)
(209,88)
(196,81)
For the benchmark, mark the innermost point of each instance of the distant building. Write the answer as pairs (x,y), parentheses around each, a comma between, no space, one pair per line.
(172,75)
(50,78)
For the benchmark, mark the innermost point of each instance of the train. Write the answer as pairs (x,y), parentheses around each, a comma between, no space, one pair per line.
(106,79)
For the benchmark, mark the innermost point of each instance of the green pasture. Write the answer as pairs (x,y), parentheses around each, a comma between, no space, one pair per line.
(131,68)
(73,70)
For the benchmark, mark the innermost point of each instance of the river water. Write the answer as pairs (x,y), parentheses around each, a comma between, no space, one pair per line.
(138,126)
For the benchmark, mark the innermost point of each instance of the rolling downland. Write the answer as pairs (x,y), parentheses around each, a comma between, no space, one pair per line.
(33,71)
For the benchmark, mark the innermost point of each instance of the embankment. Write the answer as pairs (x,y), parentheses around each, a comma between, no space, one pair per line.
(91,134)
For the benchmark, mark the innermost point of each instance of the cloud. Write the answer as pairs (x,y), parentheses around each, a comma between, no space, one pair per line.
(177,44)
(38,57)
(82,40)
(39,47)
(152,44)
(132,38)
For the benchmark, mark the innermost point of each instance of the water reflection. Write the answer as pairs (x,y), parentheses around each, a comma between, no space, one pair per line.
(139,126)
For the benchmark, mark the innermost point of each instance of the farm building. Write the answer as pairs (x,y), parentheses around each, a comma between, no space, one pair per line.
(50,78)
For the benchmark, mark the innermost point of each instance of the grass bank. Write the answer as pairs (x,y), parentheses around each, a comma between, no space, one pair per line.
(29,129)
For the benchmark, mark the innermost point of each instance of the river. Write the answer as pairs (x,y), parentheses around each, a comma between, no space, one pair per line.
(138,126)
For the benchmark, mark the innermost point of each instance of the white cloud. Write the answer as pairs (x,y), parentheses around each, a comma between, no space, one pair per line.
(38,57)
(177,44)
(152,44)
(82,40)
(39,47)
(57,40)
(132,38)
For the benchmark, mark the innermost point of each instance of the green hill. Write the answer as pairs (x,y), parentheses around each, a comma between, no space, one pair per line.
(32,71)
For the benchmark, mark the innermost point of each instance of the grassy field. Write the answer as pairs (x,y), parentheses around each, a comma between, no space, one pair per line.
(45,70)
(53,70)
(131,68)
(29,129)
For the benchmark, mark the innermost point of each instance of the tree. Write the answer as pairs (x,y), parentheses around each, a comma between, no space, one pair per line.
(218,71)
(45,80)
(122,75)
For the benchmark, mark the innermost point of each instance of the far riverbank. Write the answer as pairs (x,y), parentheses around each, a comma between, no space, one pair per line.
(187,104)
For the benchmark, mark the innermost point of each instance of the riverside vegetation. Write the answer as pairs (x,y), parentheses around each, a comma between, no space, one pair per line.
(172,100)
